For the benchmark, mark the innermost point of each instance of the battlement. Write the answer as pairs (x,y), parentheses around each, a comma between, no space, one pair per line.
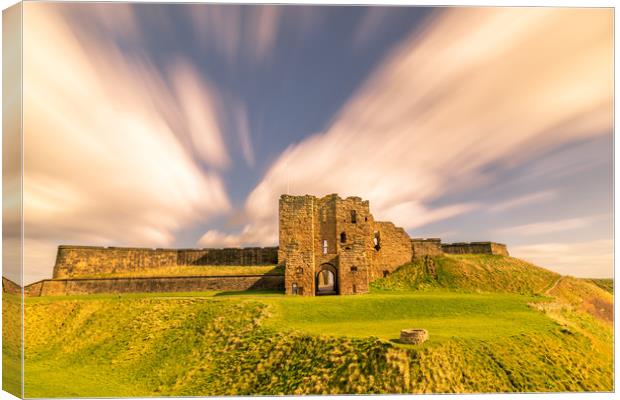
(475,248)
(425,247)
(76,261)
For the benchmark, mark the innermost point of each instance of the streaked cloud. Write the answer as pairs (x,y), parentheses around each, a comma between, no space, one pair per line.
(477,86)
(114,154)
(233,30)
(541,228)
(591,259)
(198,110)
(264,30)
(370,25)
(521,201)
(243,132)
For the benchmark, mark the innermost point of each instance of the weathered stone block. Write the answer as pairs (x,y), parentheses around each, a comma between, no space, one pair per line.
(413,336)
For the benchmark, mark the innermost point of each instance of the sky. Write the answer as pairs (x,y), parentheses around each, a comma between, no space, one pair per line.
(180,125)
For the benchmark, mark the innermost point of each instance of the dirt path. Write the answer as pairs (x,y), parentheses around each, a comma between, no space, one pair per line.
(553,286)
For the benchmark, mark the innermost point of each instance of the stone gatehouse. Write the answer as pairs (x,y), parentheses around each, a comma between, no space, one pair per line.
(331,245)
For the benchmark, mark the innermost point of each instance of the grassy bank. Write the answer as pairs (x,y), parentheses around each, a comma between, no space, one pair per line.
(471,273)
(490,331)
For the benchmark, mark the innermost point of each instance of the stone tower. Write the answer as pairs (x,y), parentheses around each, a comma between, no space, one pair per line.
(326,244)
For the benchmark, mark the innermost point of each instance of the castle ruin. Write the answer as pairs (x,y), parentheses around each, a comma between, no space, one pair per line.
(327,245)
(331,245)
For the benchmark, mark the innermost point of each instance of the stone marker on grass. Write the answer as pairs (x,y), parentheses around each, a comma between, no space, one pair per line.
(413,336)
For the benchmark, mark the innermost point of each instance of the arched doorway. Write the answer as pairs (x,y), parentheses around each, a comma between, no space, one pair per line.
(326,280)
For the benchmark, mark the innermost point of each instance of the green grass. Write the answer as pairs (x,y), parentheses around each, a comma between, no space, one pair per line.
(471,273)
(444,314)
(11,344)
(491,330)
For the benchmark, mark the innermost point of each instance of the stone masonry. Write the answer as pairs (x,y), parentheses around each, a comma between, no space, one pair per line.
(475,248)
(77,261)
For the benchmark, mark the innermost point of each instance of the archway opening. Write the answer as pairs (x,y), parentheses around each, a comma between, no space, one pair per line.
(326,280)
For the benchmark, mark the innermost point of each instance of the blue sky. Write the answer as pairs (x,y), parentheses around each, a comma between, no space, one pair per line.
(180,125)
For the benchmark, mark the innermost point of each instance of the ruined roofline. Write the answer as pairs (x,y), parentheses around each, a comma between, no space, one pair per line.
(327,196)
(469,243)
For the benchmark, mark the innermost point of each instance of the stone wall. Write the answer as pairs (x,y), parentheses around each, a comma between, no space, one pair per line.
(354,228)
(76,261)
(475,248)
(8,286)
(296,251)
(61,287)
(394,249)
(425,247)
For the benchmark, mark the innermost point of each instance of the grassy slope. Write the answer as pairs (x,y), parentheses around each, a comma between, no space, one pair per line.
(607,284)
(269,344)
(472,273)
(11,343)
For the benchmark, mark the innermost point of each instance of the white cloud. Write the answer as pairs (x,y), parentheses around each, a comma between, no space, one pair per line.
(477,86)
(112,154)
(214,238)
(251,235)
(593,259)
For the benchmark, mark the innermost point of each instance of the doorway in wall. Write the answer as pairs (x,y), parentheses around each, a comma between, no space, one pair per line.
(326,280)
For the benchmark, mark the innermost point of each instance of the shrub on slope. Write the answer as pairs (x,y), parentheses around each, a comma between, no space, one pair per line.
(471,272)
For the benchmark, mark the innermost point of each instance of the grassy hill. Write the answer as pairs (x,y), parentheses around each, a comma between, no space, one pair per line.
(491,330)
(472,273)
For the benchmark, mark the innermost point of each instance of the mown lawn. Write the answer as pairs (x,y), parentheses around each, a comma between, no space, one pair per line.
(444,314)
